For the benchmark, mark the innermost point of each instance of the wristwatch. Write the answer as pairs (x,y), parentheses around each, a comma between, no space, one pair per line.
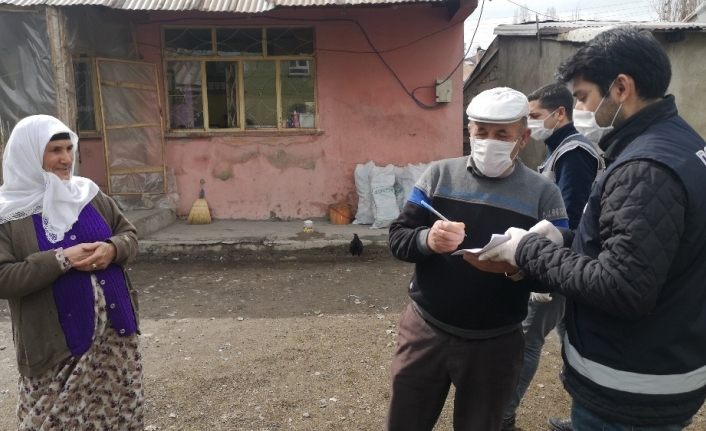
(519,275)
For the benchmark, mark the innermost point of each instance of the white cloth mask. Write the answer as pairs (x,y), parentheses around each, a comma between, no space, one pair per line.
(492,157)
(585,121)
(539,132)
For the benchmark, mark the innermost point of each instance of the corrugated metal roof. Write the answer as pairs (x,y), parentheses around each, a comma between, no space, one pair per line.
(566,30)
(57,2)
(247,6)
(244,6)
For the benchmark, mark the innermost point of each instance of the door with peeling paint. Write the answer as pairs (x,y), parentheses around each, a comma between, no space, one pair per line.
(132,127)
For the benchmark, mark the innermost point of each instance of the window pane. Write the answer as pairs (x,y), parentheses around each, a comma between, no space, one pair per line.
(184,95)
(290,41)
(127,72)
(260,96)
(125,106)
(83,81)
(239,41)
(298,93)
(188,41)
(136,147)
(222,92)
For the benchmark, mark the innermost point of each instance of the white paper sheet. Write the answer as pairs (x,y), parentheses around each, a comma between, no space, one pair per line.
(495,240)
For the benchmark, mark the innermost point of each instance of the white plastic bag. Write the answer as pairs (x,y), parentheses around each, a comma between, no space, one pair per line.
(382,185)
(405,179)
(364,214)
(401,178)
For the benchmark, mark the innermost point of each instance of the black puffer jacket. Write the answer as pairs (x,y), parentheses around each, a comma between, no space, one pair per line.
(634,276)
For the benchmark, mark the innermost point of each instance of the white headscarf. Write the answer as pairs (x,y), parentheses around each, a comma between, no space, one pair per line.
(29,189)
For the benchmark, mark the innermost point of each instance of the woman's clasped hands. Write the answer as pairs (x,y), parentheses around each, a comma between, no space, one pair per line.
(90,256)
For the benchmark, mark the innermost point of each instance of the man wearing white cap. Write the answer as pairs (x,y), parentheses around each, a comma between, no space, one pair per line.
(463,325)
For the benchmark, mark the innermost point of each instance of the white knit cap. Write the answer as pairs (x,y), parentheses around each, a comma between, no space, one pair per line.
(498,105)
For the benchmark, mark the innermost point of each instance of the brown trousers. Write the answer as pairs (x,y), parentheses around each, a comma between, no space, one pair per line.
(484,373)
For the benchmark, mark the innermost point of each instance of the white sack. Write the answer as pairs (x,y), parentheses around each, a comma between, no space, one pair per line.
(382,185)
(364,214)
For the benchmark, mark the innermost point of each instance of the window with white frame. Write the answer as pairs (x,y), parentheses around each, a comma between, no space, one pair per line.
(220,78)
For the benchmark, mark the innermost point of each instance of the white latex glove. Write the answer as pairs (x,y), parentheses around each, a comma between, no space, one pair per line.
(540,297)
(505,252)
(548,230)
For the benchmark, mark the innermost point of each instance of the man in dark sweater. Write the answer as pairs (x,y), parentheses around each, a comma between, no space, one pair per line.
(463,323)
(572,163)
(635,350)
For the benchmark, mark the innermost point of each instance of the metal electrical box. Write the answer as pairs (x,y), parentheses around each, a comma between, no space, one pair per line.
(443,91)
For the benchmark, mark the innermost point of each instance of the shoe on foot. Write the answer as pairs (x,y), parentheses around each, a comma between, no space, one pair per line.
(560,424)
(509,424)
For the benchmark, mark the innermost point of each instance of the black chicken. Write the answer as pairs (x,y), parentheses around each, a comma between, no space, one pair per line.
(356,247)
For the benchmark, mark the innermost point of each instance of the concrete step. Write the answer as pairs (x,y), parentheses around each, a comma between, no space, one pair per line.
(259,240)
(150,221)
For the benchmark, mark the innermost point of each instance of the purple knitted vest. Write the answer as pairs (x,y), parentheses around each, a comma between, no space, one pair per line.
(73,293)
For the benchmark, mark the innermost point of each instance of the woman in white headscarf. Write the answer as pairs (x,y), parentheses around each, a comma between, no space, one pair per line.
(63,245)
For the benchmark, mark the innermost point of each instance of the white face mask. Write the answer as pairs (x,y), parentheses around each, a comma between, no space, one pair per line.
(585,121)
(539,132)
(492,157)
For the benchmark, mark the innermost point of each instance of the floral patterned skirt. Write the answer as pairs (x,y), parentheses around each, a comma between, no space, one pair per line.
(100,390)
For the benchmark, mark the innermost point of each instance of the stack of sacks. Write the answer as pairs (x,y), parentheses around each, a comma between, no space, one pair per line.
(383,191)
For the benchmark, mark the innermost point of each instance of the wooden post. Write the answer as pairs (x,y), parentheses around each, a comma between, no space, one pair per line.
(62,66)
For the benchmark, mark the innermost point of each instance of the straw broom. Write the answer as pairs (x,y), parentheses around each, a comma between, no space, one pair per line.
(200,213)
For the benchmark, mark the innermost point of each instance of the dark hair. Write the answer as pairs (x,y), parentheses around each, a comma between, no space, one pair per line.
(621,50)
(553,96)
(60,137)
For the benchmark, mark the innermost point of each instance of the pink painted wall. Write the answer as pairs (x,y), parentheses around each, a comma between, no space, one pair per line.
(363,113)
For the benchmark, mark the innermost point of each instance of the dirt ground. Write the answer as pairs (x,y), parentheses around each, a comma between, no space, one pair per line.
(287,345)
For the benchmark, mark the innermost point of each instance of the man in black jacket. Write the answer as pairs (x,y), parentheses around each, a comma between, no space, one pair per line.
(572,163)
(635,352)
